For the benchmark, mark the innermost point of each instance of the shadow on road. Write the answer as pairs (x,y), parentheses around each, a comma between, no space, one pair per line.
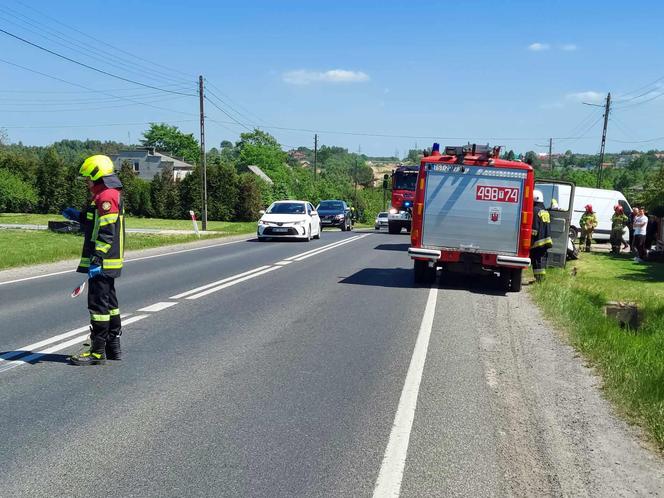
(382,277)
(392,247)
(477,284)
(25,356)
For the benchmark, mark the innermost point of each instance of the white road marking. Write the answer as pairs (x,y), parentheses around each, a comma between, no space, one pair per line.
(353,239)
(334,244)
(31,357)
(12,354)
(218,282)
(283,263)
(162,305)
(394,460)
(233,282)
(126,261)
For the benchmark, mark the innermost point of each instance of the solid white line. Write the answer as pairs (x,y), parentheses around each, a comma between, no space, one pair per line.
(324,249)
(218,282)
(158,306)
(26,359)
(394,460)
(283,263)
(229,284)
(333,244)
(12,354)
(126,261)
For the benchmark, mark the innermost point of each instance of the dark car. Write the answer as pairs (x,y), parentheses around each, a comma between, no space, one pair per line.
(335,213)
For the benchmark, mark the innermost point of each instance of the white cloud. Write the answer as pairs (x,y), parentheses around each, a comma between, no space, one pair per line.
(589,96)
(538,47)
(568,47)
(305,77)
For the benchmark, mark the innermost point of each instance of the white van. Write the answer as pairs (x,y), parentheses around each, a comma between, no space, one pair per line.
(603,202)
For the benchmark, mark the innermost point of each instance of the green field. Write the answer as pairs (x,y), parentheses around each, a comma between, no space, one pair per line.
(631,362)
(29,247)
(131,222)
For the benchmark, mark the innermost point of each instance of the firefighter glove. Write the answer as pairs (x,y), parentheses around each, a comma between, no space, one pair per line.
(71,214)
(94,271)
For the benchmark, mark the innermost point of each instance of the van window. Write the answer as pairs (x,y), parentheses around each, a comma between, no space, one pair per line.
(556,196)
(625,205)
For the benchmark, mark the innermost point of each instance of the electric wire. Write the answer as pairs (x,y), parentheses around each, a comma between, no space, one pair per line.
(74,61)
(170,70)
(227,114)
(248,113)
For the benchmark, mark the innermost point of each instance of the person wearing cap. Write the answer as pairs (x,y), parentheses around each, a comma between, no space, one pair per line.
(102,223)
(618,224)
(541,240)
(588,224)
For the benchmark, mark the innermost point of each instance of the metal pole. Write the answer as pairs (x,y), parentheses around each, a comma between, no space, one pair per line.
(550,156)
(601,153)
(315,154)
(203,159)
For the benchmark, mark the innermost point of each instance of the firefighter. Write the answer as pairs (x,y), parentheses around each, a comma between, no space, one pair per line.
(541,236)
(588,224)
(618,224)
(102,224)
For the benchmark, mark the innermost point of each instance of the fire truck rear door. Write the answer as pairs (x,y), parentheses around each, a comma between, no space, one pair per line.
(559,201)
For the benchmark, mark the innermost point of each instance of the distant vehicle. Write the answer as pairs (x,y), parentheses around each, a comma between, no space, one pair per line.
(603,203)
(404,181)
(381,220)
(334,213)
(289,219)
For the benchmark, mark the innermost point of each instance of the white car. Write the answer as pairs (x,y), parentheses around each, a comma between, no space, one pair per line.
(381,220)
(289,219)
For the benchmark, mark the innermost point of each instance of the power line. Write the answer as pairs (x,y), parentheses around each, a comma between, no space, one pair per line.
(247,111)
(92,67)
(38,127)
(86,51)
(226,113)
(185,76)
(210,92)
(91,89)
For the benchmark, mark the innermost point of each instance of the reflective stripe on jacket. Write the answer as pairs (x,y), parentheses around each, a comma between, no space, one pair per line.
(541,233)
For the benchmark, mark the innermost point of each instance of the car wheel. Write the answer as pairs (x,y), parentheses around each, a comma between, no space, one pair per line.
(308,238)
(515,284)
(573,233)
(350,226)
(317,236)
(376,228)
(262,239)
(343,227)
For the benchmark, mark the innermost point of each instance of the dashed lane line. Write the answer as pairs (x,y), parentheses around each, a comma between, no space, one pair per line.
(233,282)
(324,249)
(158,306)
(218,282)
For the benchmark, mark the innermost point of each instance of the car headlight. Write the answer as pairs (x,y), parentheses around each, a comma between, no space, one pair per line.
(262,222)
(299,223)
(393,211)
(338,216)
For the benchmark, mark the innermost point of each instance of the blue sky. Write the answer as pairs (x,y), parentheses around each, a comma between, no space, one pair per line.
(508,73)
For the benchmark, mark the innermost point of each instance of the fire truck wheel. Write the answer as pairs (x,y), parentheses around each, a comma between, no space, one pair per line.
(515,285)
(422,273)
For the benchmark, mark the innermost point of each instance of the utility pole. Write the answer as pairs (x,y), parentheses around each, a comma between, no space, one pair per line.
(550,156)
(315,154)
(607,109)
(201,96)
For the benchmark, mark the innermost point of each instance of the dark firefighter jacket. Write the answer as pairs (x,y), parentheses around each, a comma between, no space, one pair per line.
(541,234)
(103,228)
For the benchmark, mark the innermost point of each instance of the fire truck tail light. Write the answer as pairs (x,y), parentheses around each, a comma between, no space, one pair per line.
(419,208)
(421,183)
(526,243)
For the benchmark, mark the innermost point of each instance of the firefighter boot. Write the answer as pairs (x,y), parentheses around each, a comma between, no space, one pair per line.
(93,356)
(113,350)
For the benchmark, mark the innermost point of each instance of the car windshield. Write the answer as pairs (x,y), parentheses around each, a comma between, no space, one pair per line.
(286,208)
(405,181)
(331,205)
(382,215)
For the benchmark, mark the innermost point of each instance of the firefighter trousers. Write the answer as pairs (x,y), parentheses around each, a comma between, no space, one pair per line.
(616,241)
(104,312)
(538,260)
(586,239)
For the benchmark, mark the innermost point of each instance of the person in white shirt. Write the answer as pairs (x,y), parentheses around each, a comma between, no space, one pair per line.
(640,224)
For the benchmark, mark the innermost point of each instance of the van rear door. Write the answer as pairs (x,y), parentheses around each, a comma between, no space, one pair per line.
(559,201)
(472,208)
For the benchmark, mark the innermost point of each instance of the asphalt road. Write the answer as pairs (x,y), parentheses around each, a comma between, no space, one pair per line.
(284,371)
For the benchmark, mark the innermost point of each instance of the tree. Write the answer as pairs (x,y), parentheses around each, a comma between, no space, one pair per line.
(16,195)
(170,140)
(249,199)
(51,183)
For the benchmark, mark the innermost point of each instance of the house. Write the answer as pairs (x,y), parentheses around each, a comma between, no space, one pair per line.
(147,162)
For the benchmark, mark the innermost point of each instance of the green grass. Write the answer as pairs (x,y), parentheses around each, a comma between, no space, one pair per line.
(132,222)
(631,362)
(29,247)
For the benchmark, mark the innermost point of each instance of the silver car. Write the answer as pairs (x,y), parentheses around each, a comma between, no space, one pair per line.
(381,220)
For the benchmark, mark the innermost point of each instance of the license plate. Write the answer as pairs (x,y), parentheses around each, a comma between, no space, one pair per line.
(280,229)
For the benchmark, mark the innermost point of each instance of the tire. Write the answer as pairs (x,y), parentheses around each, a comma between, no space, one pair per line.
(515,284)
(317,236)
(308,239)
(573,233)
(262,239)
(423,273)
(343,227)
(505,279)
(393,228)
(376,228)
(573,253)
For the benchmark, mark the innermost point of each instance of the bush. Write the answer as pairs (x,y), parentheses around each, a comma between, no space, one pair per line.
(16,195)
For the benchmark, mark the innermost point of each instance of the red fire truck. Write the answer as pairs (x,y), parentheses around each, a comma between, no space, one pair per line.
(472,214)
(404,180)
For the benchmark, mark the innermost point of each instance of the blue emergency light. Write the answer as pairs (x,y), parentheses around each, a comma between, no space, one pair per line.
(436,147)
(407,204)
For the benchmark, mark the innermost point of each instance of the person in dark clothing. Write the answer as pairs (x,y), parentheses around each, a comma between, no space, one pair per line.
(541,240)
(651,231)
(102,257)
(630,226)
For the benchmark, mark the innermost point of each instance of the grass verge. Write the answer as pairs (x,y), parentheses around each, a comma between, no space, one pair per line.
(630,362)
(132,222)
(30,247)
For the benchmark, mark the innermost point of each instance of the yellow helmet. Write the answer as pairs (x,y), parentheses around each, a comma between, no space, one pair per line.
(94,167)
